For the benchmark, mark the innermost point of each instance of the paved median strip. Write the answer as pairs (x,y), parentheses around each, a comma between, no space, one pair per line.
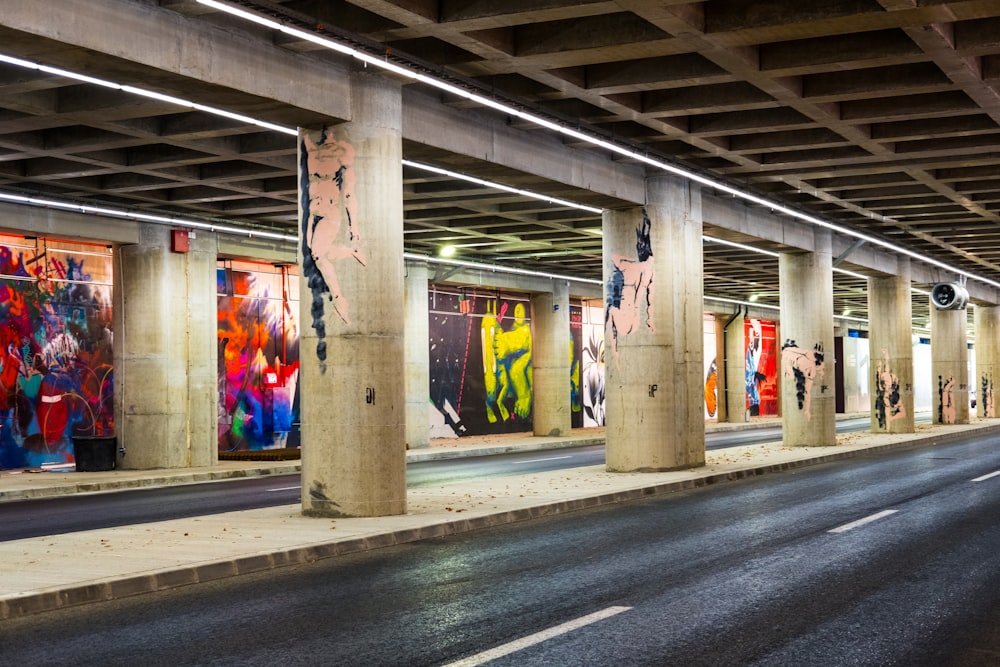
(537,638)
(861,522)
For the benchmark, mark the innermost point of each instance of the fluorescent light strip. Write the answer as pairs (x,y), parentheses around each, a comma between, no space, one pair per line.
(170,99)
(742,303)
(500,186)
(850,273)
(497,269)
(581,136)
(741,246)
(145,217)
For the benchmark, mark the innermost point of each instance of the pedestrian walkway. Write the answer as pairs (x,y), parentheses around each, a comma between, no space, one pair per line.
(47,573)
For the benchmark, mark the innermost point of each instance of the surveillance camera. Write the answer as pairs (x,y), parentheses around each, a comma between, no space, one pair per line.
(949,296)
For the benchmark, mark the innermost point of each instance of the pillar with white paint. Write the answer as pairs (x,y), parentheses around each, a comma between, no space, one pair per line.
(949,366)
(165,352)
(653,330)
(987,327)
(734,367)
(418,375)
(808,405)
(890,319)
(352,322)
(551,357)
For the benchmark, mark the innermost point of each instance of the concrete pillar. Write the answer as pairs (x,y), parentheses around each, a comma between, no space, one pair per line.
(734,368)
(808,403)
(949,366)
(551,358)
(653,330)
(351,343)
(417,354)
(890,316)
(165,352)
(987,326)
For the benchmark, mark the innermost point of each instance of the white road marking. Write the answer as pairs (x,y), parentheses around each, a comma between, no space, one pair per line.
(551,458)
(860,522)
(286,488)
(986,477)
(537,638)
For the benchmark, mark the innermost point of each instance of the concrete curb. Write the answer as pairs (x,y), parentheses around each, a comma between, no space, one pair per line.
(107,486)
(33,602)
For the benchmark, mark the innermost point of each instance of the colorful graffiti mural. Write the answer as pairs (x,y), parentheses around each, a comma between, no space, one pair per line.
(480,362)
(592,333)
(712,390)
(711,367)
(576,365)
(55,349)
(507,369)
(258,358)
(761,367)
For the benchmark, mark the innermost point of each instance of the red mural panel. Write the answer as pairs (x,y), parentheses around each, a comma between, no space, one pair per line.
(258,357)
(761,367)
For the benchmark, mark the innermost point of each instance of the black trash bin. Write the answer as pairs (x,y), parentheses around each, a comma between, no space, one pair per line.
(94,453)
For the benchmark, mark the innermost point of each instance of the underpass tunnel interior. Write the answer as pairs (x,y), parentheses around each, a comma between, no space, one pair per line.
(66,141)
(58,371)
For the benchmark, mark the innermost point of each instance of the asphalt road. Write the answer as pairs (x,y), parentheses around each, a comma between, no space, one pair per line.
(887,559)
(54,516)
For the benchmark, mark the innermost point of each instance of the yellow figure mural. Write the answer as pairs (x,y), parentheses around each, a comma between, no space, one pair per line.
(507,371)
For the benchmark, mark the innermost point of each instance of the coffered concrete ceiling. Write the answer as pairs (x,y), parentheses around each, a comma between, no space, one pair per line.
(878,115)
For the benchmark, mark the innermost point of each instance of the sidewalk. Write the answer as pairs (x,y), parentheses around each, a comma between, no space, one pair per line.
(58,571)
(61,481)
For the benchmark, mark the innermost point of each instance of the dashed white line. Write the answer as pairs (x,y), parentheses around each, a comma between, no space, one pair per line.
(986,477)
(551,458)
(286,488)
(537,638)
(860,522)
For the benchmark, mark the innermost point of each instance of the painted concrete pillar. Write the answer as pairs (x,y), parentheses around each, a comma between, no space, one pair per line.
(949,366)
(352,342)
(165,352)
(808,402)
(987,326)
(734,343)
(417,355)
(653,331)
(890,315)
(551,357)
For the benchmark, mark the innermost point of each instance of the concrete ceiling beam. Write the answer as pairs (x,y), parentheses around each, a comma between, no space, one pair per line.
(142,40)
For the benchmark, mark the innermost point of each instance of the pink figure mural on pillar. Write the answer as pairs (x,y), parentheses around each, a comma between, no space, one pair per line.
(330,225)
(630,288)
(946,399)
(805,366)
(986,396)
(888,406)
